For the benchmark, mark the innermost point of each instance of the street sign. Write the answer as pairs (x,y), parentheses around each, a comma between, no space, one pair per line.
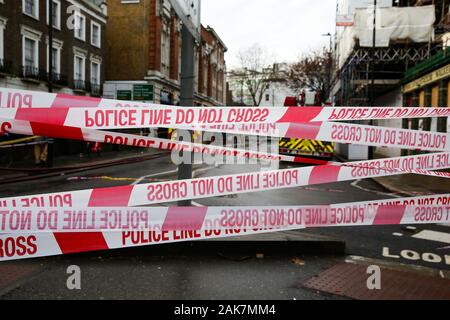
(143,92)
(123,94)
(189,12)
(344,20)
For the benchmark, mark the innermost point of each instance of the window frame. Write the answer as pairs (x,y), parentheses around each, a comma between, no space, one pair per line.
(58,14)
(58,46)
(35,14)
(96,24)
(83,69)
(99,64)
(75,29)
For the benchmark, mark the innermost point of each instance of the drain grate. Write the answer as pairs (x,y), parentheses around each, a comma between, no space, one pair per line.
(350,280)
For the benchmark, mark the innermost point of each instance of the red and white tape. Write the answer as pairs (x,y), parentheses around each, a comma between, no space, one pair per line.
(147,194)
(55,131)
(393,211)
(127,118)
(342,133)
(37,220)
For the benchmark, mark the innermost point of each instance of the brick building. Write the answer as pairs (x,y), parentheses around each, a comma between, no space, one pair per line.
(78,45)
(144,54)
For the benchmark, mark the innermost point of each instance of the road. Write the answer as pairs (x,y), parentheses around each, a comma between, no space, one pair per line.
(137,274)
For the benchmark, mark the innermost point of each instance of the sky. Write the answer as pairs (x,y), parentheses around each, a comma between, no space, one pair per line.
(285,28)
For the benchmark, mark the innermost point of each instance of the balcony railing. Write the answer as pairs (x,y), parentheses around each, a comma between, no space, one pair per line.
(80,85)
(95,89)
(30,72)
(59,79)
(5,66)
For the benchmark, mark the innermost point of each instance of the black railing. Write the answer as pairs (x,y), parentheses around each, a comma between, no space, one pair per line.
(59,79)
(79,85)
(30,72)
(96,89)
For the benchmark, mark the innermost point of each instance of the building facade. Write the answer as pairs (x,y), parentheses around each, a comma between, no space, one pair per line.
(273,78)
(144,50)
(371,71)
(78,45)
(428,85)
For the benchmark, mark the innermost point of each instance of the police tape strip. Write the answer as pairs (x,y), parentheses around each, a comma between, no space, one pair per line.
(392,211)
(129,118)
(92,135)
(341,132)
(37,220)
(163,192)
(26,127)
(16,104)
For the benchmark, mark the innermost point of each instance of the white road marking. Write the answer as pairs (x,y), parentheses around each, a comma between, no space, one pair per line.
(396,234)
(356,185)
(433,236)
(411,228)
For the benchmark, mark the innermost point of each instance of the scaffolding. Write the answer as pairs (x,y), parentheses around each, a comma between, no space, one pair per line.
(385,67)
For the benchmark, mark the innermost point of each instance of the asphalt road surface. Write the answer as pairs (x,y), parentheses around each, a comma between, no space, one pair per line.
(138,274)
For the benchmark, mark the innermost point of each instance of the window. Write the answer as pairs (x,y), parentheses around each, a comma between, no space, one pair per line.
(165,51)
(30,52)
(80,27)
(2,40)
(56,14)
(95,73)
(79,68)
(96,34)
(31,8)
(56,57)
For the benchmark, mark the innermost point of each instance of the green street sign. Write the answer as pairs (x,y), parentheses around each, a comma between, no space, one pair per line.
(124,94)
(143,92)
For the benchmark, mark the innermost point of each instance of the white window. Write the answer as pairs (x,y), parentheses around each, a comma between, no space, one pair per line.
(2,39)
(79,68)
(165,51)
(96,34)
(31,8)
(56,14)
(95,73)
(80,26)
(30,53)
(56,57)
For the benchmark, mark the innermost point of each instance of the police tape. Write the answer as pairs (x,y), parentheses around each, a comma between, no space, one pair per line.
(418,210)
(211,151)
(129,118)
(342,133)
(100,113)
(206,187)
(76,219)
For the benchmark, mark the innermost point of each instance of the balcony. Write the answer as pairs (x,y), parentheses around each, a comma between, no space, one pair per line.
(30,72)
(95,90)
(5,66)
(59,79)
(80,85)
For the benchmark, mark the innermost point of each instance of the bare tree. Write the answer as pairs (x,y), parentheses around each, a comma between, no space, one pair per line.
(254,73)
(312,72)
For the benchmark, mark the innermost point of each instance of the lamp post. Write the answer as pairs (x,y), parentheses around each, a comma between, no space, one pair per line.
(50,150)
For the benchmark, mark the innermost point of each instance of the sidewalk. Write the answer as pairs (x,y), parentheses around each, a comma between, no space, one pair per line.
(414,185)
